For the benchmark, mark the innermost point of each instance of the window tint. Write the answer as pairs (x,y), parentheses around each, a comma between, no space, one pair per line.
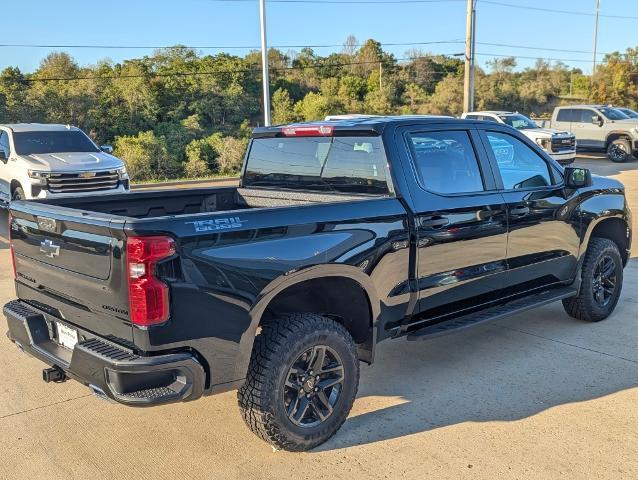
(28,143)
(472,117)
(585,115)
(345,164)
(566,115)
(446,163)
(520,166)
(4,143)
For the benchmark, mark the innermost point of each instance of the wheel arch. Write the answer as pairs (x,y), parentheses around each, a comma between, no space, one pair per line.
(344,293)
(615,228)
(615,135)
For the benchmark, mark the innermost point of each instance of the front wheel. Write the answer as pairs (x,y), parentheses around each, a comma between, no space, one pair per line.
(619,150)
(18,194)
(301,383)
(602,277)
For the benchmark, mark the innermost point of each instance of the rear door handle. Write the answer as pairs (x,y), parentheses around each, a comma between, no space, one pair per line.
(519,211)
(435,222)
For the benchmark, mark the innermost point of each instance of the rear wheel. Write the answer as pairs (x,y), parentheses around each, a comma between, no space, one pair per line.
(301,383)
(619,150)
(602,276)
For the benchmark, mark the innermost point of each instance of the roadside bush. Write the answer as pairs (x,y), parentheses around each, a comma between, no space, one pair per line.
(146,157)
(214,154)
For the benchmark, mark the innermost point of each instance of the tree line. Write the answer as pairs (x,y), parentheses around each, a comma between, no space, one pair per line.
(178,113)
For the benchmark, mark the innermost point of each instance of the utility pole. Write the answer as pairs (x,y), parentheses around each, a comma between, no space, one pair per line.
(470,29)
(593,67)
(264,62)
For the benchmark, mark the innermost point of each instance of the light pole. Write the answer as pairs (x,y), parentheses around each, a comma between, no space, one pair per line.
(593,68)
(468,85)
(264,62)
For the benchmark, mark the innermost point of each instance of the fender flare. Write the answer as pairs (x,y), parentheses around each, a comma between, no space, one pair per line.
(621,133)
(284,282)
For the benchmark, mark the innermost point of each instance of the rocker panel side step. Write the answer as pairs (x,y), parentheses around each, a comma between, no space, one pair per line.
(490,314)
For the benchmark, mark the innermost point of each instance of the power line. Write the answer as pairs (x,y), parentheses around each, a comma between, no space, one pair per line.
(213,47)
(550,10)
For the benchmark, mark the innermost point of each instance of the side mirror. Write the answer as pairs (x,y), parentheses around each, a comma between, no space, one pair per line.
(106,148)
(577,177)
(597,120)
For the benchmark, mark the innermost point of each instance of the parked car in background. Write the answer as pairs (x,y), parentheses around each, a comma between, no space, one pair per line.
(561,145)
(600,127)
(628,111)
(341,234)
(48,161)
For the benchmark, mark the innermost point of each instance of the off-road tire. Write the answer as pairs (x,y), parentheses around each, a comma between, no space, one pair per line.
(18,194)
(583,306)
(276,347)
(616,148)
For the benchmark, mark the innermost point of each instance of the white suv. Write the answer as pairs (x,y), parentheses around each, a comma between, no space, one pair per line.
(561,145)
(47,161)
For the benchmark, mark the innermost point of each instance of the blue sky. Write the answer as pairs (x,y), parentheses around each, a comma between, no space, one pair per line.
(214,23)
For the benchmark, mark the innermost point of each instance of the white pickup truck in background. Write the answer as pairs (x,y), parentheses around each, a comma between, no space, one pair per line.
(44,161)
(561,145)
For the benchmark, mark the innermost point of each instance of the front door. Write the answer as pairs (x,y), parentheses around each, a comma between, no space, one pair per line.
(542,245)
(589,134)
(460,219)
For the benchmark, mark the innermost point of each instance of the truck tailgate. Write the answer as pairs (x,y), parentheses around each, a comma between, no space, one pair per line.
(70,263)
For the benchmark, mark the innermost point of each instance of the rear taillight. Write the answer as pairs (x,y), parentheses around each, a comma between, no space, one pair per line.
(148,296)
(11,251)
(308,131)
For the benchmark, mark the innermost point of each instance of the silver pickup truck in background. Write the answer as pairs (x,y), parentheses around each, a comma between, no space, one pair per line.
(599,127)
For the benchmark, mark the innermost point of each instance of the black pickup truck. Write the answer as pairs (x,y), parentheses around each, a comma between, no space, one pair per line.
(340,235)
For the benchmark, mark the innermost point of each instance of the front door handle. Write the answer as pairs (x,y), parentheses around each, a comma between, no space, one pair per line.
(519,211)
(435,222)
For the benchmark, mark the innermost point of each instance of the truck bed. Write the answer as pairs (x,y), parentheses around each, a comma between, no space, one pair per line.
(161,203)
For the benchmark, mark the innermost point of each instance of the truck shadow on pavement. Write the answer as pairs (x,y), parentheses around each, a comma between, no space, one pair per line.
(505,371)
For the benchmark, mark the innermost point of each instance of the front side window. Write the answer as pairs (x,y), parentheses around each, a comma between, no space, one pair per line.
(519,165)
(67,141)
(446,162)
(342,164)
(586,116)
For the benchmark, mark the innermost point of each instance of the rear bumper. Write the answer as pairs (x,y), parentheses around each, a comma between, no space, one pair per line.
(108,369)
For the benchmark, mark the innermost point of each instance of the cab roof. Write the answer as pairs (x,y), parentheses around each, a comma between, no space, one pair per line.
(371,125)
(38,127)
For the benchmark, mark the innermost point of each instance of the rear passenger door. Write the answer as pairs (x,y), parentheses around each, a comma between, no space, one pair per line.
(543,243)
(460,219)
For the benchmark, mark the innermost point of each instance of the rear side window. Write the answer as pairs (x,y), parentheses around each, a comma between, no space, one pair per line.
(4,143)
(565,115)
(446,162)
(341,164)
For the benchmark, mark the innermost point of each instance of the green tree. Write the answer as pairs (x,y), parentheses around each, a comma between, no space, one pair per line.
(146,157)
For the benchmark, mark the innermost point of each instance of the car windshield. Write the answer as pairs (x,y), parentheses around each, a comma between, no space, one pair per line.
(629,112)
(343,164)
(518,121)
(29,143)
(613,113)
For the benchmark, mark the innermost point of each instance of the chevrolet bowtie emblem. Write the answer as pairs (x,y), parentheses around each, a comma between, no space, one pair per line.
(49,248)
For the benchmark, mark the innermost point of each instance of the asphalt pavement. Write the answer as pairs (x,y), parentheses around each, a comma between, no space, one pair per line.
(534,396)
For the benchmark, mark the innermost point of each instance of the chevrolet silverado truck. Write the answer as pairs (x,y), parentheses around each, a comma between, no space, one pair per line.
(46,160)
(341,234)
(560,144)
(600,127)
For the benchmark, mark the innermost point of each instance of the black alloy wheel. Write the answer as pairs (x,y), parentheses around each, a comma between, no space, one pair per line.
(313,385)
(604,281)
